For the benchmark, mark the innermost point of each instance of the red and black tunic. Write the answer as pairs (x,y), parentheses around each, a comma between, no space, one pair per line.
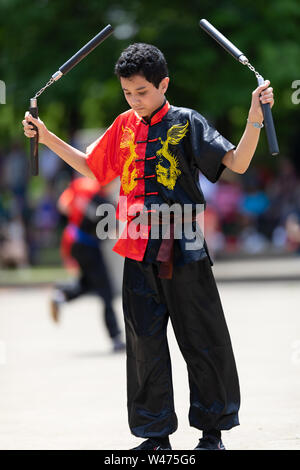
(158,162)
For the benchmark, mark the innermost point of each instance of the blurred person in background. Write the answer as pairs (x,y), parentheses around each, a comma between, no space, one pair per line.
(254,204)
(15,176)
(14,208)
(284,195)
(225,201)
(212,224)
(13,248)
(45,218)
(292,226)
(81,247)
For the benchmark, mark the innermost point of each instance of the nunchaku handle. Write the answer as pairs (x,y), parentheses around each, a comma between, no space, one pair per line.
(269,124)
(237,54)
(34,141)
(222,40)
(85,50)
(65,68)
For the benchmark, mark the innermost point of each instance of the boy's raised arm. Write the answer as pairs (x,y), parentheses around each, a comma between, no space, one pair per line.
(238,160)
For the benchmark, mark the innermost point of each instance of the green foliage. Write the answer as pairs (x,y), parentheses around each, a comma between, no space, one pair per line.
(36,38)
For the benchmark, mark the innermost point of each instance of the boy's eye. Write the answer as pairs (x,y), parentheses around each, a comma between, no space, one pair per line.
(141,93)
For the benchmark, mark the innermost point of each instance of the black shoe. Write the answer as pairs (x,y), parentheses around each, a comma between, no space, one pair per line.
(210,443)
(153,444)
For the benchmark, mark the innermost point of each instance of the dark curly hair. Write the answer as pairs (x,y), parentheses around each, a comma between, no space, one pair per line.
(142,59)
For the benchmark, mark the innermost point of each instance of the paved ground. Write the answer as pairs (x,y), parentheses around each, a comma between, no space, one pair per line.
(62,388)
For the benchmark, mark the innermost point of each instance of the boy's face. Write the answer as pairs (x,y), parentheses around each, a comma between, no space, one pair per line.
(142,96)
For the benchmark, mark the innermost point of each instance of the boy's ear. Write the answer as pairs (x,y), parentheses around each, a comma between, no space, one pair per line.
(164,84)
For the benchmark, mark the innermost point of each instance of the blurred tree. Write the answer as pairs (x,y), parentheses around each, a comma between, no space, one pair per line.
(37,37)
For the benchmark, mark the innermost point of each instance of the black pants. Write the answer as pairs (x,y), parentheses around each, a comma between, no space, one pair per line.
(192,302)
(94,278)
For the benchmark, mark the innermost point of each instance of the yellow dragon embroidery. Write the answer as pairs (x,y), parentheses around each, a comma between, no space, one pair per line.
(168,176)
(128,181)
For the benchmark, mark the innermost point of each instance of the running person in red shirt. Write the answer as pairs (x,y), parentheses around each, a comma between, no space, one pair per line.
(79,203)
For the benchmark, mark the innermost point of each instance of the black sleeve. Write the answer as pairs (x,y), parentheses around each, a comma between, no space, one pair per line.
(208,147)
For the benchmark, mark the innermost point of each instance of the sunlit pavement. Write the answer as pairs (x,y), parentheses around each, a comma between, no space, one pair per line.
(61,387)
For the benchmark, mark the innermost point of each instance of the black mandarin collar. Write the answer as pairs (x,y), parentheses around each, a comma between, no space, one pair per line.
(158,114)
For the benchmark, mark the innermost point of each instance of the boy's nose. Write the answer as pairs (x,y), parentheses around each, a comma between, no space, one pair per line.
(136,100)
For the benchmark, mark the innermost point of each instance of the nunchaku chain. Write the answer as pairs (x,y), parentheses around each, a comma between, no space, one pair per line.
(246,62)
(52,80)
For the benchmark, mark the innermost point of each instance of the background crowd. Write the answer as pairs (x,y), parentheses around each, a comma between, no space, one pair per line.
(249,214)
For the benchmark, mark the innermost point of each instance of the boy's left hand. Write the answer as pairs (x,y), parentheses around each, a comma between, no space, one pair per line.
(262,94)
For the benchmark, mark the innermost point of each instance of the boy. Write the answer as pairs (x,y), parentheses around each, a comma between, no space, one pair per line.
(158,150)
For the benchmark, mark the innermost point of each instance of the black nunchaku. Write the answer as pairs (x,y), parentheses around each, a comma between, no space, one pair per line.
(237,54)
(63,70)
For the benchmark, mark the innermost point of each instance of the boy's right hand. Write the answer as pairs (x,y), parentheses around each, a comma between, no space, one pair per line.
(29,130)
